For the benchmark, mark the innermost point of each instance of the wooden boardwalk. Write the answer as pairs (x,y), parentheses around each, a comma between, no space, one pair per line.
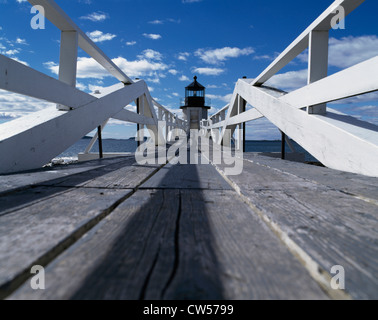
(112,229)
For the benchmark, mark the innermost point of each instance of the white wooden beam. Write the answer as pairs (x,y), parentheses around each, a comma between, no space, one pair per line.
(129,116)
(359,79)
(323,22)
(317,63)
(62,21)
(32,141)
(323,136)
(18,78)
(68,60)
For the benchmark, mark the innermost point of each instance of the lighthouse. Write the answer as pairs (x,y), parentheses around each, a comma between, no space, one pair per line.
(194,109)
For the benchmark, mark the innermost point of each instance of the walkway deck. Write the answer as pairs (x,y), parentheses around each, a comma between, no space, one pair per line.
(112,229)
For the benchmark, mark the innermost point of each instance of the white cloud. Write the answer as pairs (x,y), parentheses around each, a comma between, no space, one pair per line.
(173,72)
(131,43)
(212,86)
(183,56)
(289,81)
(20,61)
(81,86)
(348,51)
(96,16)
(184,78)
(226,98)
(151,55)
(217,56)
(99,36)
(14,105)
(209,71)
(21,41)
(156,22)
(190,1)
(89,68)
(152,36)
(10,52)
(175,94)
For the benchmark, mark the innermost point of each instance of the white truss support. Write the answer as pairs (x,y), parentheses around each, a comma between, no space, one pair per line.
(323,136)
(45,134)
(129,116)
(322,23)
(38,85)
(231,111)
(63,22)
(95,138)
(359,79)
(149,111)
(68,60)
(317,63)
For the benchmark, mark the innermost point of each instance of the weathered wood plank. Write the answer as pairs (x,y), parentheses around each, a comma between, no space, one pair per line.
(226,252)
(121,175)
(358,185)
(324,226)
(175,244)
(37,232)
(114,259)
(44,175)
(188,176)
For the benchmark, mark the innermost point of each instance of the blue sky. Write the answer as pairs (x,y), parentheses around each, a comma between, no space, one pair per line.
(167,42)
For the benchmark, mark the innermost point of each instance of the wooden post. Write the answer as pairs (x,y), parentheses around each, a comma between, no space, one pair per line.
(283,138)
(68,60)
(317,64)
(138,125)
(99,129)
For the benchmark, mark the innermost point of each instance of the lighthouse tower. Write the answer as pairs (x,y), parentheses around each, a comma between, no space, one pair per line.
(194,109)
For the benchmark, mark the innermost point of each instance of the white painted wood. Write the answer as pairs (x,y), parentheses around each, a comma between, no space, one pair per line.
(61,20)
(323,22)
(129,116)
(18,78)
(323,136)
(34,140)
(356,80)
(68,60)
(318,56)
(94,139)
(317,63)
(68,57)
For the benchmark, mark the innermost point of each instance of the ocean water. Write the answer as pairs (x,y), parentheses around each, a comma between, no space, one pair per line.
(114,145)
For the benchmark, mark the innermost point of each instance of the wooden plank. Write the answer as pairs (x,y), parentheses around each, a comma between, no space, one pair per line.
(172,244)
(124,174)
(43,227)
(187,177)
(114,260)
(44,176)
(321,225)
(350,183)
(226,252)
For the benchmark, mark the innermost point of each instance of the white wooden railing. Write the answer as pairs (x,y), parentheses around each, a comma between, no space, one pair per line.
(338,141)
(32,141)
